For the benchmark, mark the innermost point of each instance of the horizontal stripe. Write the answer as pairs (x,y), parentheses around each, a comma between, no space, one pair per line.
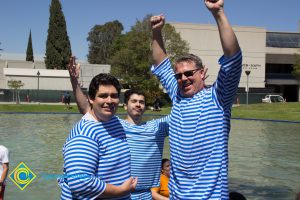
(198,132)
(146,146)
(95,153)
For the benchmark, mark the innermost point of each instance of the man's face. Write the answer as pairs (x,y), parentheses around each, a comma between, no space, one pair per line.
(106,102)
(135,106)
(189,78)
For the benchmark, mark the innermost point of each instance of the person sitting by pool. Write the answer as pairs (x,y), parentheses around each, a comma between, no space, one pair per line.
(162,192)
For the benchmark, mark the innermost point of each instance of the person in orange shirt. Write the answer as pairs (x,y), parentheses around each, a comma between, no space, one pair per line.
(162,192)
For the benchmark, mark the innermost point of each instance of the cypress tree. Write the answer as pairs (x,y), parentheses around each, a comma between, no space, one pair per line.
(29,52)
(0,49)
(58,47)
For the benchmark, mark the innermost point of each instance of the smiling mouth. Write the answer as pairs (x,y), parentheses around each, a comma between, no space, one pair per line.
(185,85)
(109,109)
(138,110)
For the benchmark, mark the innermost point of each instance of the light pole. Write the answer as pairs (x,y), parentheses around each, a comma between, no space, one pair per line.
(38,84)
(247,87)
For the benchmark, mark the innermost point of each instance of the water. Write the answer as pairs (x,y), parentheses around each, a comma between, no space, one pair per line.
(264,156)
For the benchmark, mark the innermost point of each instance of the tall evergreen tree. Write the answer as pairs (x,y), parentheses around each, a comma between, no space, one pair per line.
(29,52)
(0,49)
(58,47)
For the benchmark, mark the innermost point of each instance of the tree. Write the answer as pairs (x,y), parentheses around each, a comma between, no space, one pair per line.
(1,49)
(101,38)
(132,57)
(29,52)
(296,67)
(15,85)
(174,45)
(296,72)
(58,47)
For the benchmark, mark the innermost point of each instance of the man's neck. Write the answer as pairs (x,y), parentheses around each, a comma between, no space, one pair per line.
(135,121)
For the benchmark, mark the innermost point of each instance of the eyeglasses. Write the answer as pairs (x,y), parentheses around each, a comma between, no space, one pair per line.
(186,74)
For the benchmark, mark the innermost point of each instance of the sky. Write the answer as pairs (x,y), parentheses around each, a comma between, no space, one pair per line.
(18,17)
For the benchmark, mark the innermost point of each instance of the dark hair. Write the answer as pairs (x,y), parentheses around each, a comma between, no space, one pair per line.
(163,161)
(103,79)
(190,58)
(130,92)
(236,196)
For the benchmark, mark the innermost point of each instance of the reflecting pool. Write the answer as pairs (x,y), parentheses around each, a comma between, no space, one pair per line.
(264,156)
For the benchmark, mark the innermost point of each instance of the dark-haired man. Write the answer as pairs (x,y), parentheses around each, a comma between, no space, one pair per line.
(96,153)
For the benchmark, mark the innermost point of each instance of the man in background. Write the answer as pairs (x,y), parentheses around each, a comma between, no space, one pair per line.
(4,166)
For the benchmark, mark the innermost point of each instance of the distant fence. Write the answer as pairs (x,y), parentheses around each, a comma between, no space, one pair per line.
(43,96)
(51,96)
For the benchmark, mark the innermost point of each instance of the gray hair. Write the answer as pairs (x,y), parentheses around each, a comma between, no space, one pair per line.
(190,58)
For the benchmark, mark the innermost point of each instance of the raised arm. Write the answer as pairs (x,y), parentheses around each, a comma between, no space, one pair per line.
(228,39)
(80,97)
(158,49)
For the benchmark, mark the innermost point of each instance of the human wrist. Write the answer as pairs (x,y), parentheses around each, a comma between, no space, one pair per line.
(122,190)
(74,81)
(156,32)
(74,78)
(218,14)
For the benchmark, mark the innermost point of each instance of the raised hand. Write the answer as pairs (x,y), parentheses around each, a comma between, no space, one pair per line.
(157,22)
(214,5)
(73,68)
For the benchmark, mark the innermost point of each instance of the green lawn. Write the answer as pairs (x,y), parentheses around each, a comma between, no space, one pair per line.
(276,111)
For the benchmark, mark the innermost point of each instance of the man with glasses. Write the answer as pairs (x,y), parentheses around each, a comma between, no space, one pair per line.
(200,118)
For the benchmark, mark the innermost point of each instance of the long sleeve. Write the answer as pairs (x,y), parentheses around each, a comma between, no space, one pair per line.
(165,74)
(228,80)
(81,162)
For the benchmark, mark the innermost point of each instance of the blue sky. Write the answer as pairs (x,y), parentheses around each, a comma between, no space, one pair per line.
(17,17)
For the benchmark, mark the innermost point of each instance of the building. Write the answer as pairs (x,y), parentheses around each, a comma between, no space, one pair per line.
(41,84)
(267,56)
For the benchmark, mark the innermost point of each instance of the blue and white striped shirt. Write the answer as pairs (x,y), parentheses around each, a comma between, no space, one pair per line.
(146,143)
(198,133)
(95,153)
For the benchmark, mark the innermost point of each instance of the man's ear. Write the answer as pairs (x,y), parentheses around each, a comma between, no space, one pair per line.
(202,74)
(90,100)
(204,71)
